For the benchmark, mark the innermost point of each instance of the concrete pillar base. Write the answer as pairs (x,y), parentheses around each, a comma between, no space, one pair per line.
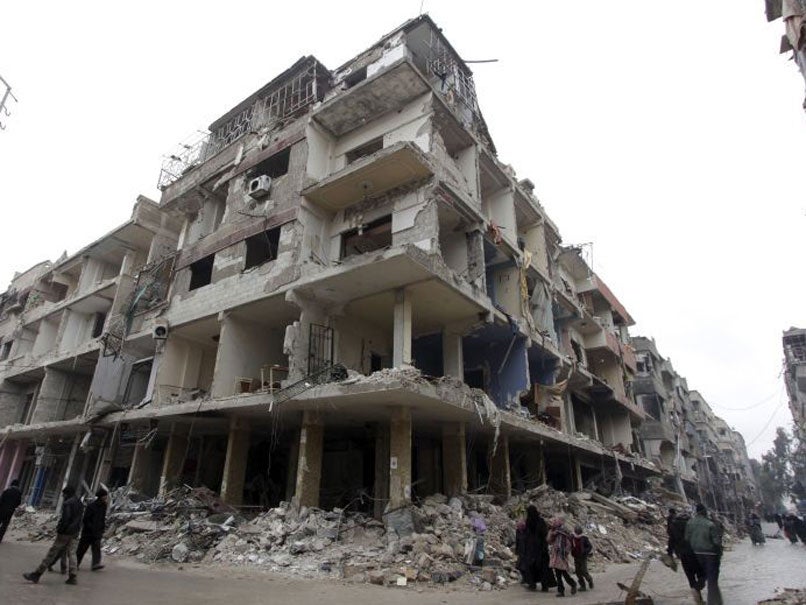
(400,457)
(500,481)
(454,459)
(174,459)
(309,465)
(235,463)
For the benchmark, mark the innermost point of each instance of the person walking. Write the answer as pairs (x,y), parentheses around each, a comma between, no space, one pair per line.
(536,552)
(66,532)
(688,560)
(705,540)
(92,531)
(9,501)
(581,549)
(560,547)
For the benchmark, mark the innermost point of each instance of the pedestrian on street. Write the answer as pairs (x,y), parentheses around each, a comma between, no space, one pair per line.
(669,522)
(536,552)
(92,531)
(705,539)
(66,533)
(790,528)
(581,549)
(9,501)
(688,560)
(560,544)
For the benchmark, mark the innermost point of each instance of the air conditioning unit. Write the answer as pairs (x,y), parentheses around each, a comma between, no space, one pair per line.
(160,331)
(259,187)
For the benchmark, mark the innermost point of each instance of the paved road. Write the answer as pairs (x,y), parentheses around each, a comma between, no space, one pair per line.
(749,574)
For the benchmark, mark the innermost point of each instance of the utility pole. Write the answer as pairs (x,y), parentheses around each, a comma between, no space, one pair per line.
(5,94)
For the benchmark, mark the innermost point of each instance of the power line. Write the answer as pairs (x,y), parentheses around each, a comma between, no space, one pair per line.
(750,407)
(767,424)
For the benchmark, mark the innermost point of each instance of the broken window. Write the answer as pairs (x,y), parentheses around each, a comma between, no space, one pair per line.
(5,351)
(98,324)
(262,248)
(26,408)
(578,352)
(273,166)
(201,272)
(367,238)
(137,385)
(359,75)
(364,150)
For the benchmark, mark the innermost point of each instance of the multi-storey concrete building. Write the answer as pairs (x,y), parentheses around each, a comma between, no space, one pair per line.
(697,451)
(342,291)
(794,342)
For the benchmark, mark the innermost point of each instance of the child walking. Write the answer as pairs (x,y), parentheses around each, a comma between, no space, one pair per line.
(581,549)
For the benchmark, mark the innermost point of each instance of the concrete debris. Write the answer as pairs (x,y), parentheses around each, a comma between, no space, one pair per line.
(787,596)
(424,543)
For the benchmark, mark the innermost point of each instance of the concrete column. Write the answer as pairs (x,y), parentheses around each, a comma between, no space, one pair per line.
(500,481)
(235,463)
(577,468)
(454,458)
(452,358)
(106,459)
(5,462)
(381,488)
(400,457)
(401,355)
(174,459)
(138,471)
(309,465)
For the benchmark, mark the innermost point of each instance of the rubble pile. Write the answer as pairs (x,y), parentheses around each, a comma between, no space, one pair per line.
(787,596)
(431,542)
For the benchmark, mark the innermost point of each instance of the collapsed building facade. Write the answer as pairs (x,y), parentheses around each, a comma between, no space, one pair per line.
(698,453)
(794,373)
(793,40)
(342,297)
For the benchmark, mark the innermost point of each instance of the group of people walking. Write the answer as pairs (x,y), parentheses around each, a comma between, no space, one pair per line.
(697,542)
(79,529)
(544,550)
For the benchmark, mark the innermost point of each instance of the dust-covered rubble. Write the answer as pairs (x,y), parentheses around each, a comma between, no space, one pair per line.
(787,596)
(431,542)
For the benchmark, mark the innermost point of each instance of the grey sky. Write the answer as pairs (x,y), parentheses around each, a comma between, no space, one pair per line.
(669,134)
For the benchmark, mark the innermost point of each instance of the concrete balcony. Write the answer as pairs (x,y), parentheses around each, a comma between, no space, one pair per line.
(657,429)
(605,339)
(381,93)
(800,377)
(389,168)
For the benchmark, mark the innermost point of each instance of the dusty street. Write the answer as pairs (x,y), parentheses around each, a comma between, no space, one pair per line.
(749,574)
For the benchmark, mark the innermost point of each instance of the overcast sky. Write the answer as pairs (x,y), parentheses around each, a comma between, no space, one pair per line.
(670,134)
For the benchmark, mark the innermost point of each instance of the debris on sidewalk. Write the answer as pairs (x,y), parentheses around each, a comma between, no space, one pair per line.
(787,596)
(424,543)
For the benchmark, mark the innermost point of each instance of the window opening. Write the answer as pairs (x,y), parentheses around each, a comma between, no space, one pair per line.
(201,272)
(364,150)
(359,75)
(273,166)
(320,348)
(98,324)
(6,350)
(262,248)
(367,238)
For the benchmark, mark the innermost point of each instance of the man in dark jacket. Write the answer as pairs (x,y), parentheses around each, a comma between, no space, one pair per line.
(66,534)
(678,546)
(9,501)
(705,539)
(93,530)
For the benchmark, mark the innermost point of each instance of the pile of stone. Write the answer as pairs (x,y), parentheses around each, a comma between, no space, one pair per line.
(787,596)
(431,542)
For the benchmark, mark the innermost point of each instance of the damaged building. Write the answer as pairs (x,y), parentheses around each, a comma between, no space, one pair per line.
(697,452)
(342,296)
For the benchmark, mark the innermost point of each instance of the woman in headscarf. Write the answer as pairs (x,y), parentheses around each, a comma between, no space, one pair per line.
(536,552)
(560,547)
